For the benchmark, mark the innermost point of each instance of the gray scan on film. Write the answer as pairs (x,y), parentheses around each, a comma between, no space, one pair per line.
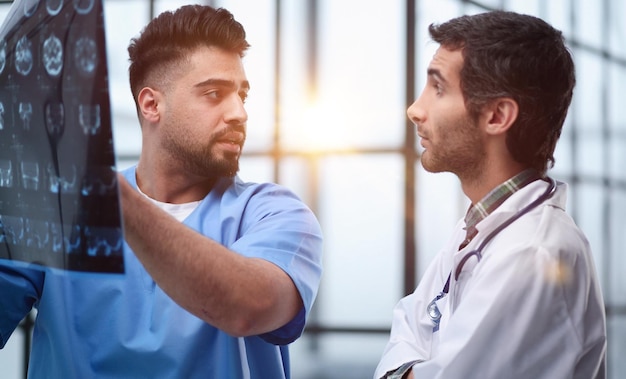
(58,186)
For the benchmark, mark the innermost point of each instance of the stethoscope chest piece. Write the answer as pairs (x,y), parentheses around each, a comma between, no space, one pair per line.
(433,312)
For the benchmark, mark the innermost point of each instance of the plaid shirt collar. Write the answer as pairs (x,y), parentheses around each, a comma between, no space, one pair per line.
(497,196)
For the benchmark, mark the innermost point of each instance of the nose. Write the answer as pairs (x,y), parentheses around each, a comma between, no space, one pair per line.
(416,112)
(236,111)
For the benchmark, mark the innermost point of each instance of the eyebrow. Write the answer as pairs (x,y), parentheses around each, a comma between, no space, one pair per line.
(222,83)
(435,73)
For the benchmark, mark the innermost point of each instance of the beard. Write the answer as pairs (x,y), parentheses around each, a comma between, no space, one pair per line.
(211,165)
(203,160)
(458,149)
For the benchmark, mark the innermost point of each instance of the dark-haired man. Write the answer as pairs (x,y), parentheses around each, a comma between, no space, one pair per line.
(514,293)
(220,275)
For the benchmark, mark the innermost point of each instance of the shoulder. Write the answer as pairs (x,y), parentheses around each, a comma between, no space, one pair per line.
(252,202)
(237,191)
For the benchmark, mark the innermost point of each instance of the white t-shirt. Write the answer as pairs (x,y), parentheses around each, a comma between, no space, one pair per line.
(178,211)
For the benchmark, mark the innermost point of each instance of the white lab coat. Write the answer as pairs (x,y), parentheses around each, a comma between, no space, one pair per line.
(531,308)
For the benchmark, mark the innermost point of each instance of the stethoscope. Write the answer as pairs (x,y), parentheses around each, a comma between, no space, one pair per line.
(431,308)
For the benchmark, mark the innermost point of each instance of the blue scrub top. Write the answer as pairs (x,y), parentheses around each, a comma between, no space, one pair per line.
(125,326)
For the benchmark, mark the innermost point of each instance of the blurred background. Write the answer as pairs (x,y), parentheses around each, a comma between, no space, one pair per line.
(331,81)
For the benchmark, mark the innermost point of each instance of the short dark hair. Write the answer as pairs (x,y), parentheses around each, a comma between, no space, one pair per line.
(506,54)
(171,36)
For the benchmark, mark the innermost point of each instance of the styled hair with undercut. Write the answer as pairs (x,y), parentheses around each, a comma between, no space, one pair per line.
(172,36)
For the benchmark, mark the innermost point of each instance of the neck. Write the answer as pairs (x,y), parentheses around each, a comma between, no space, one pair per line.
(172,186)
(477,186)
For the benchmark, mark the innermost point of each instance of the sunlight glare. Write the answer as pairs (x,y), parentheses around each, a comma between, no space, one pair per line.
(317,125)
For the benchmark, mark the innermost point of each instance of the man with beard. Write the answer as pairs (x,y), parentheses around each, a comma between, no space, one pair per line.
(514,293)
(220,275)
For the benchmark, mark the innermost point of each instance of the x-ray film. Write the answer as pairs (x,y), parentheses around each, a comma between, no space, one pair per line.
(59,204)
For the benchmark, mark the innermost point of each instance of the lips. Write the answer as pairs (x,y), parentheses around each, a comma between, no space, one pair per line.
(231,141)
(234,138)
(423,139)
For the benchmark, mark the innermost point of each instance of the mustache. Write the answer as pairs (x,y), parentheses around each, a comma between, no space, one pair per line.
(231,128)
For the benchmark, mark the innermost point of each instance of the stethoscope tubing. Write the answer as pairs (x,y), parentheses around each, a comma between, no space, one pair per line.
(535,203)
(432,309)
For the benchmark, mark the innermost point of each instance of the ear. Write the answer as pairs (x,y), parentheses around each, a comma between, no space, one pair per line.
(500,115)
(148,101)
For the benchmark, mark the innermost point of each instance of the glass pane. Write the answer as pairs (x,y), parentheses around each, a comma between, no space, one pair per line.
(122,163)
(616,346)
(440,205)
(532,7)
(590,149)
(256,169)
(617,94)
(588,92)
(617,156)
(558,15)
(164,5)
(344,356)
(361,211)
(469,8)
(301,176)
(617,28)
(589,202)
(358,100)
(297,108)
(617,260)
(126,131)
(435,11)
(589,22)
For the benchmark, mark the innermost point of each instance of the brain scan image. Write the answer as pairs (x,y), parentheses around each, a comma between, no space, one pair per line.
(25,110)
(55,118)
(89,118)
(23,56)
(83,6)
(53,55)
(57,158)
(30,175)
(13,229)
(37,233)
(85,55)
(6,173)
(3,55)
(1,115)
(58,183)
(54,7)
(30,6)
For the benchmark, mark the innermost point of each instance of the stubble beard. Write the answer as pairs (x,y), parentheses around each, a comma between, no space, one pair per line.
(460,151)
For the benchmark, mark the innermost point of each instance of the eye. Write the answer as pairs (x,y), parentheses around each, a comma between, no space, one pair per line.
(214,94)
(438,88)
(243,95)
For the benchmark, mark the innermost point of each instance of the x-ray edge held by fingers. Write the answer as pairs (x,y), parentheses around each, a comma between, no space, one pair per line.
(59,204)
